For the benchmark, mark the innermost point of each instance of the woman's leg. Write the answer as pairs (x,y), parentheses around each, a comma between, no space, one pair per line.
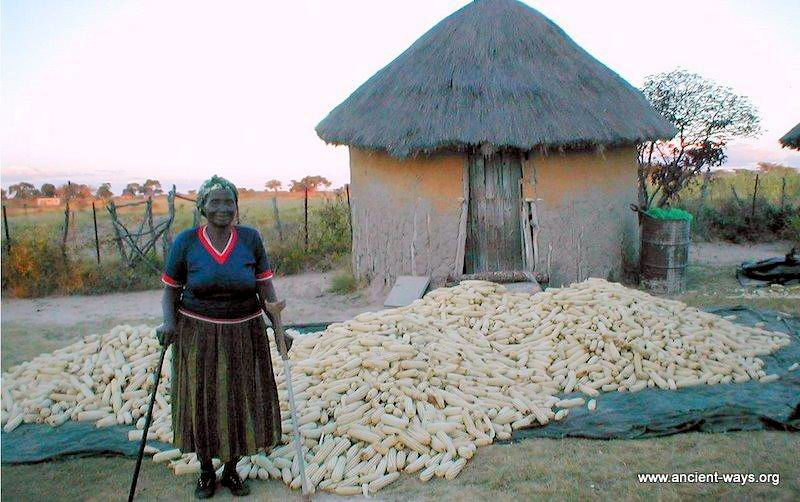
(230,466)
(206,465)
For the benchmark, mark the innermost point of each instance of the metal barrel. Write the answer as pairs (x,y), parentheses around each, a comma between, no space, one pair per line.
(664,254)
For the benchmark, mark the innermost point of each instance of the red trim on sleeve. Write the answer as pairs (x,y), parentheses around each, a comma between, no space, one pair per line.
(263,276)
(169,281)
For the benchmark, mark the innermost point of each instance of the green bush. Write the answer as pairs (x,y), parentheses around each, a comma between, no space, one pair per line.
(730,221)
(343,283)
(35,266)
(730,213)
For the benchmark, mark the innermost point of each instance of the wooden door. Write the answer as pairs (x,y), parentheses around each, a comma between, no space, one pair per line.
(493,241)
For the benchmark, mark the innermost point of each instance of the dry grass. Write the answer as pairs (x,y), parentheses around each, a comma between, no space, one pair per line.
(566,469)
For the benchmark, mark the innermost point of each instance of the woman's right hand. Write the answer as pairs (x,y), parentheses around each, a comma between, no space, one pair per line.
(165,334)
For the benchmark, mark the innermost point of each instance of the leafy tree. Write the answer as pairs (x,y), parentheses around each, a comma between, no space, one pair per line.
(23,190)
(151,187)
(273,185)
(132,189)
(707,115)
(70,191)
(312,182)
(104,192)
(48,190)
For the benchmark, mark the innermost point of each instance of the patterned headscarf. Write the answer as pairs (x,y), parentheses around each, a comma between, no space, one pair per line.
(214,183)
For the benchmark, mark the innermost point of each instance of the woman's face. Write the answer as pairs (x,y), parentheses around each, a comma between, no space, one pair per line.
(220,207)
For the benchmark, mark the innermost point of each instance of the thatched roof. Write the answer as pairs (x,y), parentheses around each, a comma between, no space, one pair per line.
(497,72)
(792,138)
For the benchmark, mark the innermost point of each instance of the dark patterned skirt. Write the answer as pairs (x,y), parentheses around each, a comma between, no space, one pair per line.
(224,398)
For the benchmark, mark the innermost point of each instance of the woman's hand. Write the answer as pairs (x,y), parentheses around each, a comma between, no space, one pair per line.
(288,340)
(165,334)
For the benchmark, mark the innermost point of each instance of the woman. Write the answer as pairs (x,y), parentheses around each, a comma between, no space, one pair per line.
(224,398)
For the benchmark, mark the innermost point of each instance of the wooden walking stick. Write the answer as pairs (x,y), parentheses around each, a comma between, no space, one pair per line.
(273,311)
(147,421)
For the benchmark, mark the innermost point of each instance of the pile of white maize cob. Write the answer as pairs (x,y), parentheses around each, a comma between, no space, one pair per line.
(418,388)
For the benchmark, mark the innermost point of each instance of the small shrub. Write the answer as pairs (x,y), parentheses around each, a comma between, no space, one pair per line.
(343,283)
(35,266)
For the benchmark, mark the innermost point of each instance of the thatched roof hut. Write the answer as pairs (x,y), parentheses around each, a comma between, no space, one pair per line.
(493,116)
(497,72)
(792,138)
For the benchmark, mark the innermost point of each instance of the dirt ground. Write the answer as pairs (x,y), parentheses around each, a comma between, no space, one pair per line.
(725,253)
(567,469)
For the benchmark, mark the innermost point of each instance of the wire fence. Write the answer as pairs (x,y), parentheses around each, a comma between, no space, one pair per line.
(300,230)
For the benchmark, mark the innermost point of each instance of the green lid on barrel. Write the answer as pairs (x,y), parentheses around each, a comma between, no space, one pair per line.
(661,213)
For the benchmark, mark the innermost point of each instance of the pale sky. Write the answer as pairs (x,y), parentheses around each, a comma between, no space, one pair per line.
(120,91)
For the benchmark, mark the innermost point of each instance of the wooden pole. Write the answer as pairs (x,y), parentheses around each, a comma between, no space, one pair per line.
(5,224)
(66,222)
(112,209)
(167,244)
(753,204)
(150,216)
(305,209)
(349,211)
(96,239)
(277,216)
(66,231)
(783,192)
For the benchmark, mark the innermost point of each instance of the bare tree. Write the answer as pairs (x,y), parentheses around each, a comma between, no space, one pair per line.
(707,116)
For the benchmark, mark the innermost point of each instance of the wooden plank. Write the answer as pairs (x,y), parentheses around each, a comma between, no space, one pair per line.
(461,241)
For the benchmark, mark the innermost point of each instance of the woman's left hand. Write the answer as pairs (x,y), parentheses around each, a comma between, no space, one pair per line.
(289,340)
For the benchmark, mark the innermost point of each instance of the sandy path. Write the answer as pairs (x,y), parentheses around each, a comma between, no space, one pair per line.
(307,301)
(725,253)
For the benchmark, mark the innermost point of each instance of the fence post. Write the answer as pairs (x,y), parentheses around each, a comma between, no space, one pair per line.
(5,224)
(349,212)
(96,239)
(167,244)
(277,216)
(783,193)
(112,210)
(66,231)
(305,208)
(753,204)
(150,216)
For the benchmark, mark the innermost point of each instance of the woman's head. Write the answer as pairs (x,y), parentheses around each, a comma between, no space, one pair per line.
(217,200)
